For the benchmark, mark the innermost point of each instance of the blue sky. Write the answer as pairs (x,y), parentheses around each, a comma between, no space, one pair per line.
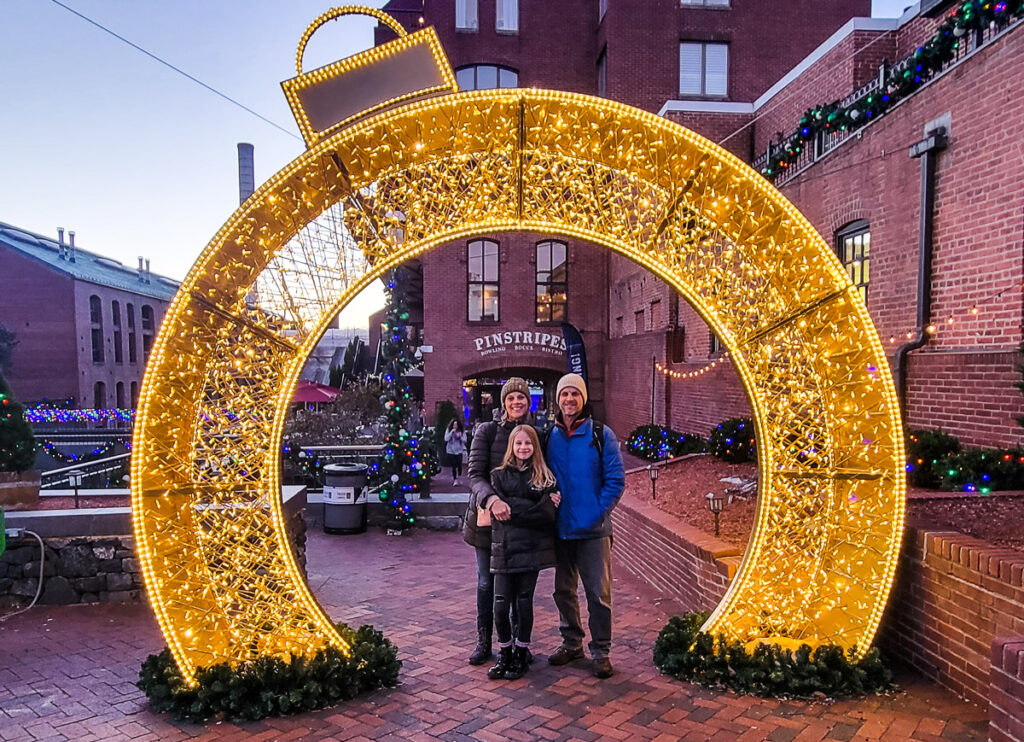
(97,138)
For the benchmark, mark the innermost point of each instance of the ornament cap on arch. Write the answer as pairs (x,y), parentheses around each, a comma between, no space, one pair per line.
(328,98)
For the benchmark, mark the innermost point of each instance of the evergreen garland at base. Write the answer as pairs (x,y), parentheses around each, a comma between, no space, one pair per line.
(683,651)
(270,686)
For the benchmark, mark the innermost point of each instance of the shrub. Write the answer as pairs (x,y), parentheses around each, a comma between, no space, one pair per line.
(656,443)
(17,445)
(927,451)
(983,470)
(271,686)
(683,651)
(733,440)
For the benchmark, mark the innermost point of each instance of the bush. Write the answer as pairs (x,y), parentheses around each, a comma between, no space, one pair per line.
(656,443)
(733,440)
(683,651)
(983,470)
(271,686)
(17,445)
(927,451)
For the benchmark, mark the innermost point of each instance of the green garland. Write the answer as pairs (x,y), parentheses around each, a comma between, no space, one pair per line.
(902,80)
(683,651)
(270,686)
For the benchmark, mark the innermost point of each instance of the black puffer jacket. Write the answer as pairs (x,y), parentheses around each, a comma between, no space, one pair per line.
(485,454)
(526,541)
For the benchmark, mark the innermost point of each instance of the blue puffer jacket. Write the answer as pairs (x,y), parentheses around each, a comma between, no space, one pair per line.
(590,486)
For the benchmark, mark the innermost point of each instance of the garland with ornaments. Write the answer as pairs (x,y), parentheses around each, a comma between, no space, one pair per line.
(666,371)
(44,415)
(50,449)
(903,79)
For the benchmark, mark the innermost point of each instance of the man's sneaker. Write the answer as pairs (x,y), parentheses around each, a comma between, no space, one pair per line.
(603,667)
(564,655)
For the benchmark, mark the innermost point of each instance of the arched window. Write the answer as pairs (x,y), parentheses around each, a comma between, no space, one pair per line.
(132,352)
(96,329)
(486,76)
(119,395)
(853,245)
(147,331)
(115,309)
(99,395)
(135,394)
(482,281)
(552,282)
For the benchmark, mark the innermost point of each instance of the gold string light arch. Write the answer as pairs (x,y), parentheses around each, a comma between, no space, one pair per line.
(206,472)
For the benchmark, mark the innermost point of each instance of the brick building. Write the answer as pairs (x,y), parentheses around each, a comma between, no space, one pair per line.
(84,323)
(743,78)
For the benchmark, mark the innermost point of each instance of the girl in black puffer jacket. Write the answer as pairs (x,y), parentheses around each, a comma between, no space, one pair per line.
(522,545)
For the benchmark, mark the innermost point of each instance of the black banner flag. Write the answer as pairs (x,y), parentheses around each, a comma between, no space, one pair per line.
(575,353)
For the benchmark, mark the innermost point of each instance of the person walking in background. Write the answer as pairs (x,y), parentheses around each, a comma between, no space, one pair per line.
(490,440)
(521,545)
(455,447)
(584,455)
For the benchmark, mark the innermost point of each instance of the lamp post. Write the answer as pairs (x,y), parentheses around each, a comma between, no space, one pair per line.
(716,504)
(652,472)
(75,477)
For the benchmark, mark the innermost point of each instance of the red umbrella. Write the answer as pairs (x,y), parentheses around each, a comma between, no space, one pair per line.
(308,392)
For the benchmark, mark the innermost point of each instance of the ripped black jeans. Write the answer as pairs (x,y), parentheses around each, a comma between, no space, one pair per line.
(513,599)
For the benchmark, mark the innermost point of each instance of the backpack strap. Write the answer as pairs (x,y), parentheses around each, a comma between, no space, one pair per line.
(598,434)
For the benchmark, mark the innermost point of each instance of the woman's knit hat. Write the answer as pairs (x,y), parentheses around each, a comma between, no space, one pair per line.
(515,384)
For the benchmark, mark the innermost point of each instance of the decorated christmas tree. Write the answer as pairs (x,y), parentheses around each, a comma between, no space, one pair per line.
(17,446)
(402,468)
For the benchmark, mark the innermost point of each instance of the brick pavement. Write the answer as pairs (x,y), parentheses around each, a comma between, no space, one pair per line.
(68,672)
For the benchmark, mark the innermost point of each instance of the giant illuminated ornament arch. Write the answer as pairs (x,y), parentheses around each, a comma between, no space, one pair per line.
(381,188)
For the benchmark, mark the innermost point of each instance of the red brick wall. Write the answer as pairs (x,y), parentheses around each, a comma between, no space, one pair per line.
(1006,690)
(978,246)
(954,598)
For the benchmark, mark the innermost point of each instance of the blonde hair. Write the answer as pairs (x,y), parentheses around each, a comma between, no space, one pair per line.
(542,476)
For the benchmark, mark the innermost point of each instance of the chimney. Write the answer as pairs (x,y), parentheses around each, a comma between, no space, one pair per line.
(60,246)
(71,246)
(246,173)
(148,274)
(142,275)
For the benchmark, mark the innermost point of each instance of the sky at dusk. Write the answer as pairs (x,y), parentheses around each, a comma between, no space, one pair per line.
(99,138)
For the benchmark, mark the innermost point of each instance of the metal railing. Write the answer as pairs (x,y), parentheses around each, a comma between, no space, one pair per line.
(61,478)
(825,142)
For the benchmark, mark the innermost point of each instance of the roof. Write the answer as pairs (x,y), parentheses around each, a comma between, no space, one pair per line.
(87,266)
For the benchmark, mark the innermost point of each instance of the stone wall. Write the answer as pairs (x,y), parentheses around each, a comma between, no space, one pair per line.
(96,569)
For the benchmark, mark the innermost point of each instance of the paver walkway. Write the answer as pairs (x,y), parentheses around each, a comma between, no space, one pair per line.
(69,672)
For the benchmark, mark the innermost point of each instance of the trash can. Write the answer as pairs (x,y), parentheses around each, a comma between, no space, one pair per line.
(345,498)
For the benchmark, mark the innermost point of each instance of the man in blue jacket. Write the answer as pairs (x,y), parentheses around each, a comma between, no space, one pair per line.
(584,455)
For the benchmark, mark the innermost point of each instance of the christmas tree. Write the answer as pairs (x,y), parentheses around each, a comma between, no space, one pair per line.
(402,468)
(17,446)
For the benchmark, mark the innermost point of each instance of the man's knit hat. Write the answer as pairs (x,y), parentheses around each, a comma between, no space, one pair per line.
(572,380)
(515,384)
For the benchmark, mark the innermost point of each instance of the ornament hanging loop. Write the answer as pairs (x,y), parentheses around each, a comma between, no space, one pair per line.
(338,12)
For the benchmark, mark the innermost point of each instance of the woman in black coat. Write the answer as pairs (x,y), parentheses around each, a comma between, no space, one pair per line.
(521,546)
(485,454)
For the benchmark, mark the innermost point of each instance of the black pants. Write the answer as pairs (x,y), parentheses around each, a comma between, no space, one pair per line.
(456,464)
(514,592)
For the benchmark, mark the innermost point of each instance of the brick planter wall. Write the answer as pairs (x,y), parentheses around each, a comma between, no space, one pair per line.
(956,613)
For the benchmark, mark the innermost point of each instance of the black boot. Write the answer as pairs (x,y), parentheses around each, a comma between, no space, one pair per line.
(482,652)
(518,665)
(502,666)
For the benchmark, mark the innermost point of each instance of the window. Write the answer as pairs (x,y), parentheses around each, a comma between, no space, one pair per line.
(147,331)
(115,310)
(638,322)
(135,394)
(482,281)
(552,281)
(99,396)
(853,244)
(485,77)
(119,395)
(602,73)
(714,344)
(466,16)
(703,69)
(506,16)
(96,331)
(132,353)
(656,321)
(705,3)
